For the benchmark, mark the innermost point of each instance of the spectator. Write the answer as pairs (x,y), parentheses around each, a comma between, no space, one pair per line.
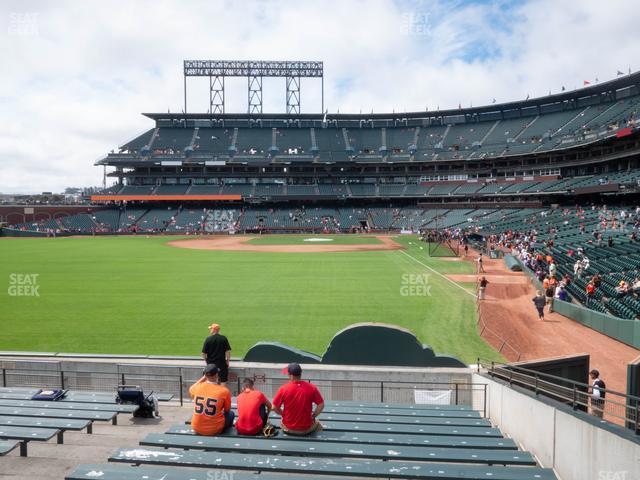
(539,302)
(549,293)
(598,394)
(216,350)
(294,402)
(622,289)
(253,409)
(590,291)
(561,293)
(212,412)
(578,268)
(482,286)
(480,262)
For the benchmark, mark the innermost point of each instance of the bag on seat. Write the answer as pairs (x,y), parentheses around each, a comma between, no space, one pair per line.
(50,395)
(133,395)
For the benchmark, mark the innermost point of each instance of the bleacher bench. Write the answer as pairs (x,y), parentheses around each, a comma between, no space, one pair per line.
(261,445)
(26,435)
(322,466)
(383,438)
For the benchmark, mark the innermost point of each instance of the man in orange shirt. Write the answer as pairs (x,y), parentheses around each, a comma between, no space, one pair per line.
(211,404)
(253,410)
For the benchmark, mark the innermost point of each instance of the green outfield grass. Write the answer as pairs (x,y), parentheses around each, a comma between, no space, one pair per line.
(140,295)
(311,239)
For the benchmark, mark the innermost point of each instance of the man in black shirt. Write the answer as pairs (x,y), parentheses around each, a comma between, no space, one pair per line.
(539,301)
(216,349)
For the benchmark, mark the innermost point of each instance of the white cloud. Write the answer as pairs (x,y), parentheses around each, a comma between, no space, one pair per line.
(77,75)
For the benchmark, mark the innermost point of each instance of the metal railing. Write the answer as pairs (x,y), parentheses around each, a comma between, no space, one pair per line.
(180,379)
(617,407)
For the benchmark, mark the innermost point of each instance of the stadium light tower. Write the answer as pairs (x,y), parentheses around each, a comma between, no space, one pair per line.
(254,72)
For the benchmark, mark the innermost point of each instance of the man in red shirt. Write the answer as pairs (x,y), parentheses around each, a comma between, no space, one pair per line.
(294,402)
(253,410)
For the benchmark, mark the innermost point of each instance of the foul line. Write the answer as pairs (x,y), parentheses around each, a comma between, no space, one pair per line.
(439,274)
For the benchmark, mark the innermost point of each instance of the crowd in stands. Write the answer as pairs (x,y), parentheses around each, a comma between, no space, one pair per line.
(580,252)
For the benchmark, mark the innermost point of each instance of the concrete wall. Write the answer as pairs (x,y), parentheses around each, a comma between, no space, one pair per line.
(367,384)
(574,445)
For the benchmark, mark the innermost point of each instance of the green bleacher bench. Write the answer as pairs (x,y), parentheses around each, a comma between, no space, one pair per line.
(261,445)
(106,397)
(399,428)
(390,424)
(432,412)
(302,465)
(7,446)
(114,471)
(18,390)
(56,413)
(38,422)
(26,435)
(18,393)
(412,429)
(398,406)
(382,438)
(102,407)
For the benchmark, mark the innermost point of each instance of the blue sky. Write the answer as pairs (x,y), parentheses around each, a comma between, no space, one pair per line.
(77,74)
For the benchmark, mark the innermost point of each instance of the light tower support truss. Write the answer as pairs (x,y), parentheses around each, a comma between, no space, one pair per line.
(254,71)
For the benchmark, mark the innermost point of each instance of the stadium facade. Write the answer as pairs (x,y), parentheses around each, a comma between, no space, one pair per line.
(548,146)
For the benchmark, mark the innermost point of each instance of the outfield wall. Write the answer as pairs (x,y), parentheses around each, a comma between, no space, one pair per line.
(576,445)
(623,330)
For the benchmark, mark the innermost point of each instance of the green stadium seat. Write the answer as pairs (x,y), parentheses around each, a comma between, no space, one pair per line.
(302,465)
(54,423)
(113,471)
(260,445)
(7,446)
(458,441)
(69,405)
(96,415)
(27,434)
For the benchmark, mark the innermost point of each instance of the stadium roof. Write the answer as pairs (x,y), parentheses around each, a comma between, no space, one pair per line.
(598,90)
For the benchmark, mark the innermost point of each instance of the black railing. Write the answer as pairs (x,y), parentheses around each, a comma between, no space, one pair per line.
(617,407)
(180,379)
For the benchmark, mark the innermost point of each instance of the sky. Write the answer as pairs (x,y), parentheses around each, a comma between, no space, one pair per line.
(76,75)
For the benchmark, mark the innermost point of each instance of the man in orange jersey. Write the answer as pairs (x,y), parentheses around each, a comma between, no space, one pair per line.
(253,410)
(211,404)
(294,402)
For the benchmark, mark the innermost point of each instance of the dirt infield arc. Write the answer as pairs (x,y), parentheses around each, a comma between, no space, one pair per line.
(239,244)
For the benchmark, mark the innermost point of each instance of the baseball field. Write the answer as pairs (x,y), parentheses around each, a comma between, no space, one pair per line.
(143,295)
